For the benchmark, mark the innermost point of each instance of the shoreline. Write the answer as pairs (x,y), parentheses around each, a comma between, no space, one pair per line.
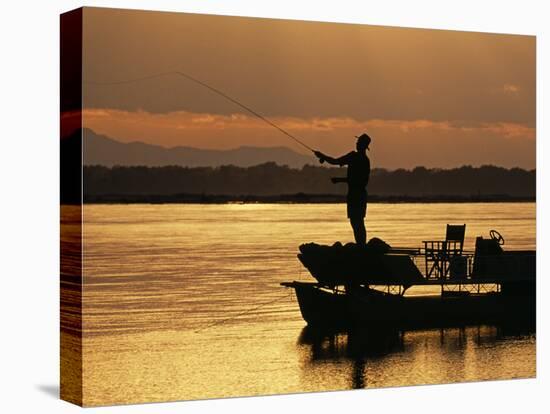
(293,199)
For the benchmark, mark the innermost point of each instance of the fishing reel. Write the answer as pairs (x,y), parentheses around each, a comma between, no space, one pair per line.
(318,154)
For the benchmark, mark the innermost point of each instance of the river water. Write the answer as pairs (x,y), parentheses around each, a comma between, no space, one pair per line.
(182,301)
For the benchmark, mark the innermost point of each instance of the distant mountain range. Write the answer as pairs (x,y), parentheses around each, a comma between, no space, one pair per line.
(106,151)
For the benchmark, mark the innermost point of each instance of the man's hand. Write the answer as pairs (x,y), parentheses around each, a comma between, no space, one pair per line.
(320,155)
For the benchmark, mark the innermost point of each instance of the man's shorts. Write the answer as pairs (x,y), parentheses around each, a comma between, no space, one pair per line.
(357,204)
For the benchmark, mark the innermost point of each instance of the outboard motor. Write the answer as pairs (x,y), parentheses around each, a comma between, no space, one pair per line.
(486,250)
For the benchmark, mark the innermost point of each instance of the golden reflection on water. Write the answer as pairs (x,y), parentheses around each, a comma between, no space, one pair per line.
(184,302)
(70,303)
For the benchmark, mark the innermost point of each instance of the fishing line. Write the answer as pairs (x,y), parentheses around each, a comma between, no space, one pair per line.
(244,313)
(215,90)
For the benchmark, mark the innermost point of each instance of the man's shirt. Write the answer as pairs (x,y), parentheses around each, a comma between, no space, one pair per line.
(358,169)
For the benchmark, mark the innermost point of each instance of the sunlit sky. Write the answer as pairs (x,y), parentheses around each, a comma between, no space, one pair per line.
(427,97)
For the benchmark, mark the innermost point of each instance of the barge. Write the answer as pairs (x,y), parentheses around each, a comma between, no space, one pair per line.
(367,286)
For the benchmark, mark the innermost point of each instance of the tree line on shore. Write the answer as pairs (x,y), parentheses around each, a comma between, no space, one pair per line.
(271,180)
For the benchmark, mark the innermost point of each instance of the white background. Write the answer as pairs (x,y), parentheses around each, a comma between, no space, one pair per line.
(29,230)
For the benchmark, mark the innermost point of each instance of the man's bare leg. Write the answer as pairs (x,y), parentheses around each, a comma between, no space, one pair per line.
(359,230)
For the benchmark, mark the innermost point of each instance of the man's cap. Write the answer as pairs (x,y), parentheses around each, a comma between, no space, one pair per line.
(364,137)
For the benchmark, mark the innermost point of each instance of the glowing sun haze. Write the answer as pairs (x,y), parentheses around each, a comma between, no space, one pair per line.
(427,97)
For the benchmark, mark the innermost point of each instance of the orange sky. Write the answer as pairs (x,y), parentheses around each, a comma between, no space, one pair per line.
(427,97)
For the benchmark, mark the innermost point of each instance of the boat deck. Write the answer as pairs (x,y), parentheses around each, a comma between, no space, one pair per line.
(427,282)
(402,267)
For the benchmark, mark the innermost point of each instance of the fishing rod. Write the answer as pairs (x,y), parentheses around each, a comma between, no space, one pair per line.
(213,89)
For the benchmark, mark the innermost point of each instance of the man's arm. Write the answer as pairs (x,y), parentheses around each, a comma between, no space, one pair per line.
(343,160)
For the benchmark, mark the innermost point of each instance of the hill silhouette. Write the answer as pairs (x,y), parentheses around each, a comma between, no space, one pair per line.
(104,150)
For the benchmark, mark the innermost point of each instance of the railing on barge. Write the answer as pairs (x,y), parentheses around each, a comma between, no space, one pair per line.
(469,272)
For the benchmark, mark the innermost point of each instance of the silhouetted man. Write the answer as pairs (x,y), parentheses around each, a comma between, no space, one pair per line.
(357,179)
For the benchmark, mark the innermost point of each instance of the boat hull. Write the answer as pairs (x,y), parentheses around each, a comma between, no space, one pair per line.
(364,308)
